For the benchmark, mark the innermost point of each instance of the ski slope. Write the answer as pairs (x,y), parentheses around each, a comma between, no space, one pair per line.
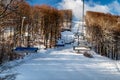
(61,63)
(64,64)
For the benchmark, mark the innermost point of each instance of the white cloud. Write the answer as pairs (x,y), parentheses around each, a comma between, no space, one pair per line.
(98,8)
(115,7)
(76,6)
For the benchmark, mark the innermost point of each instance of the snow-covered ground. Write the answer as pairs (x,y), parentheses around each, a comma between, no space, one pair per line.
(64,64)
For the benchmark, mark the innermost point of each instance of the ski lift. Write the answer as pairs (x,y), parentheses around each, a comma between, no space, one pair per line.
(28,48)
(60,43)
(82,46)
(82,43)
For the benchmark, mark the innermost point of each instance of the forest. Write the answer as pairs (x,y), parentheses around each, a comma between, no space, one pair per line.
(24,25)
(103,31)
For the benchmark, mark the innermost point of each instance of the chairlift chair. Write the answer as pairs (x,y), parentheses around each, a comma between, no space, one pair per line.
(82,46)
(28,48)
(60,43)
(25,49)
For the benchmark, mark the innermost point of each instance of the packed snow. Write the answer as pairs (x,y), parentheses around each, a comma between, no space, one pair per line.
(65,64)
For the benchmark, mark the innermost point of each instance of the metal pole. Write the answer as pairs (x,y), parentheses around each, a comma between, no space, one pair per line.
(82,31)
(78,40)
(21,29)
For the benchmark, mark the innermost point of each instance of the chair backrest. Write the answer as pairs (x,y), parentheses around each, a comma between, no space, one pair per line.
(25,49)
(60,42)
(81,48)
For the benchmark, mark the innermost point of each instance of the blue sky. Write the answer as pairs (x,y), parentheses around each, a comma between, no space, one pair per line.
(48,2)
(102,2)
(106,6)
(55,2)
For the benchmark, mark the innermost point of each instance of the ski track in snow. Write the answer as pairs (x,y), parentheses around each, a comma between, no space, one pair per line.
(64,64)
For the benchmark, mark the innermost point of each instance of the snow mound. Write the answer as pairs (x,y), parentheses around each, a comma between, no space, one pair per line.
(67,36)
